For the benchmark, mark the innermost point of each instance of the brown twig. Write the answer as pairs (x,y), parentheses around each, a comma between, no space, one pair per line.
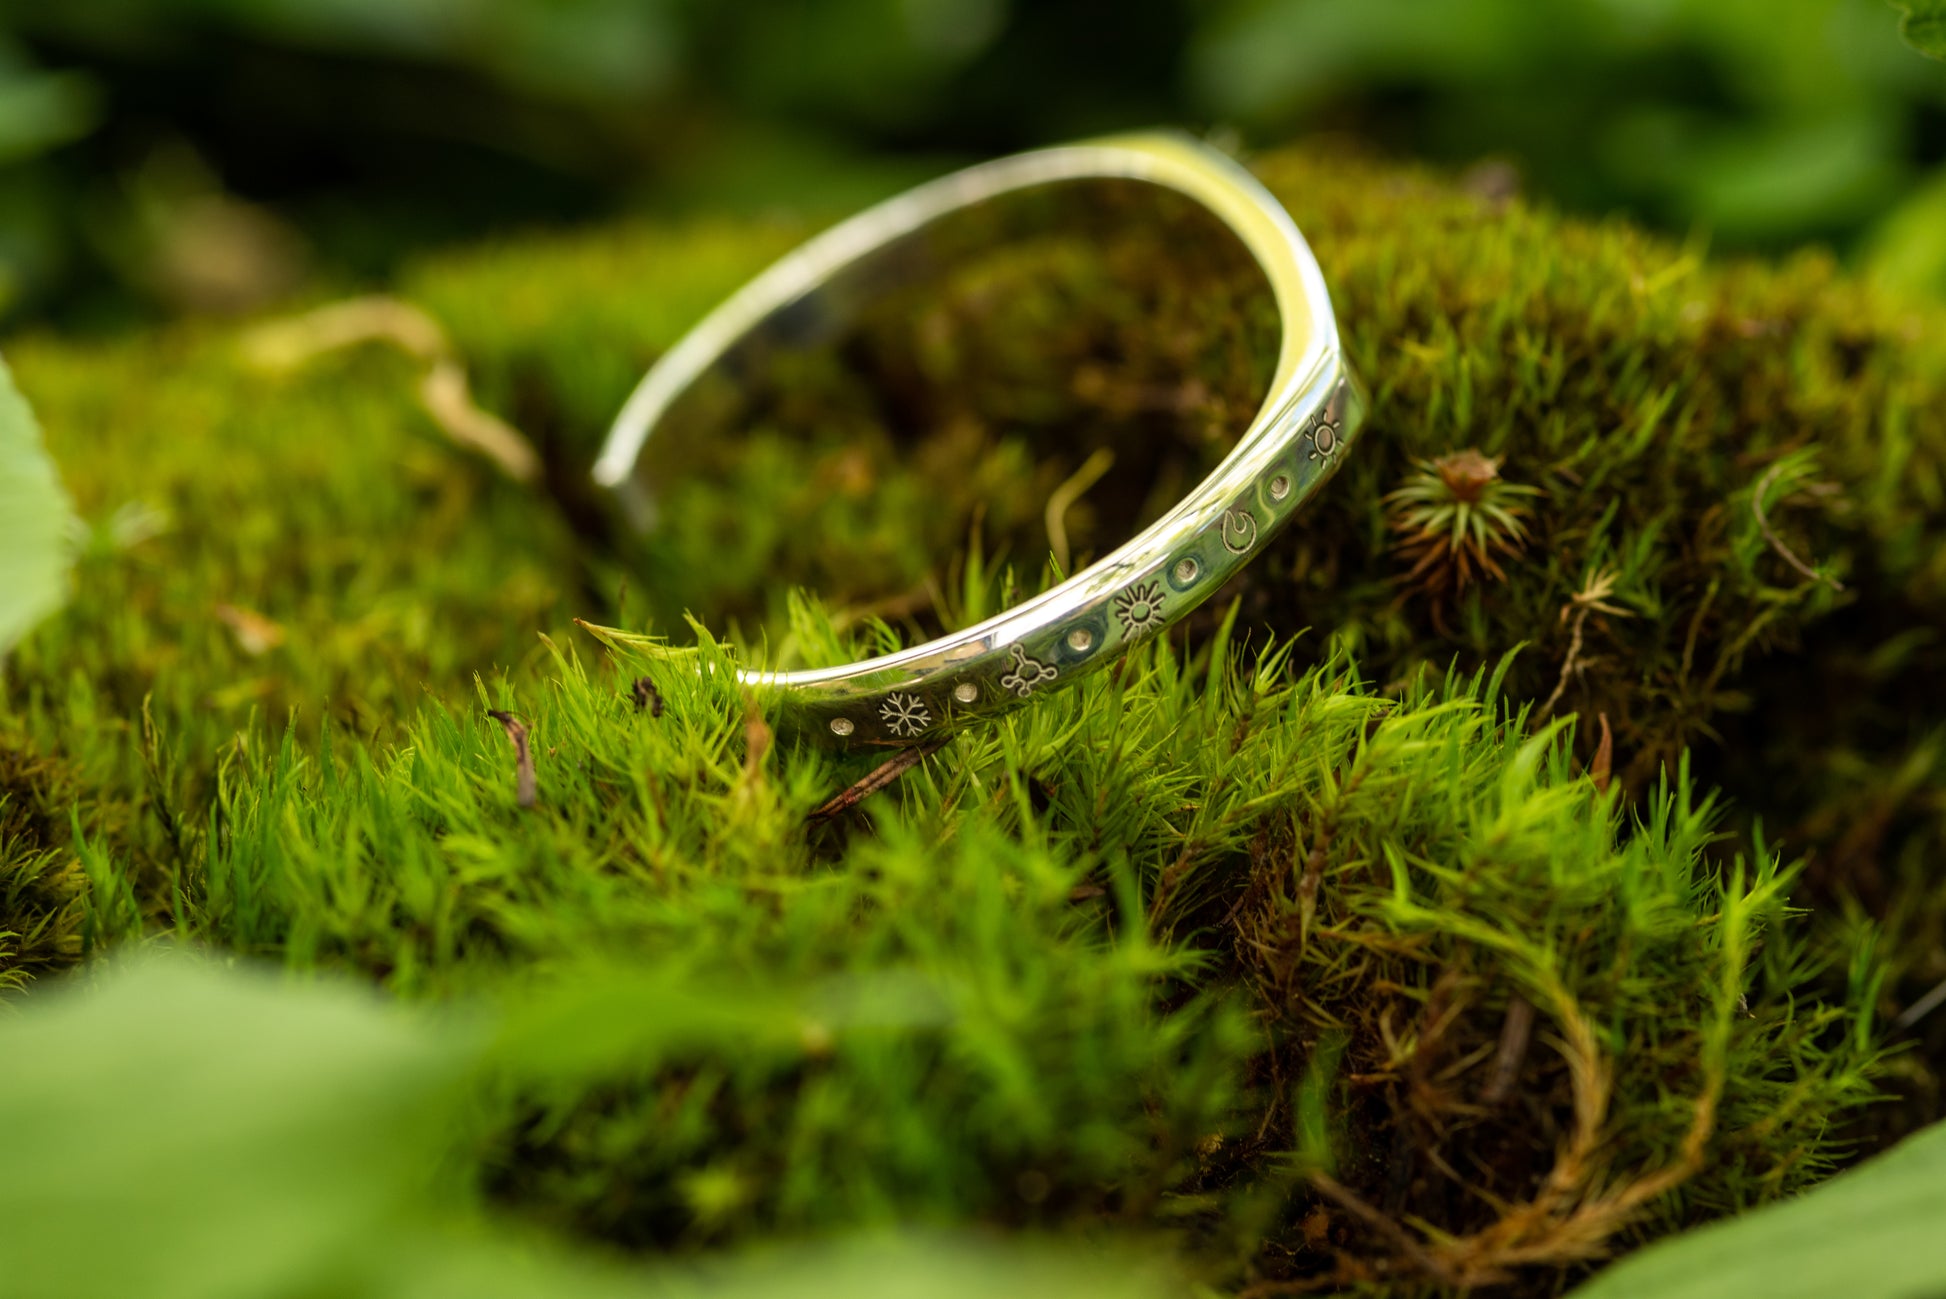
(1921,1008)
(1515,1033)
(524,787)
(1777,543)
(879,778)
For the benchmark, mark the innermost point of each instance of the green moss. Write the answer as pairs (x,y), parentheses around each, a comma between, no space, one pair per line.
(41,884)
(1219,945)
(1107,938)
(1648,394)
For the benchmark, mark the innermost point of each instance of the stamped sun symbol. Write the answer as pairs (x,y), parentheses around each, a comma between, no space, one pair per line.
(1324,440)
(1140,608)
(905,715)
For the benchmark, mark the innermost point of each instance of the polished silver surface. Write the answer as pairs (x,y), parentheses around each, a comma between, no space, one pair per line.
(1295,442)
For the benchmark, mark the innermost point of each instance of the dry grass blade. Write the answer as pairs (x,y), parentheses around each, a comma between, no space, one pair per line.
(1063,499)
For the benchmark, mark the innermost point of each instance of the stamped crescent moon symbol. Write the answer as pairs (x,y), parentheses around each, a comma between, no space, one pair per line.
(1239,531)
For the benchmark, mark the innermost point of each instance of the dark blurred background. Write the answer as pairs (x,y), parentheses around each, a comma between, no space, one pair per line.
(161,156)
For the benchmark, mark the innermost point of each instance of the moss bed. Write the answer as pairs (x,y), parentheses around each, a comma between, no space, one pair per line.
(1378,931)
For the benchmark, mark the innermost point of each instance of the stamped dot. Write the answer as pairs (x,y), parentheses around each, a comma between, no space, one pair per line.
(841,726)
(1280,487)
(966,692)
(1187,571)
(1080,639)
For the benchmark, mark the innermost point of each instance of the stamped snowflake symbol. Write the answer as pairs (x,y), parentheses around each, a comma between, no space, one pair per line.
(905,715)
(1027,673)
(1140,608)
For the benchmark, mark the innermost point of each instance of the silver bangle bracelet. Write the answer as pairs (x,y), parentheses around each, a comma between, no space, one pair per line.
(1296,440)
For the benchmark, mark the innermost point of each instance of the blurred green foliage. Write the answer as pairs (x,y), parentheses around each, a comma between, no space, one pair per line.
(36,525)
(1924,26)
(1762,121)
(251,1140)
(211,153)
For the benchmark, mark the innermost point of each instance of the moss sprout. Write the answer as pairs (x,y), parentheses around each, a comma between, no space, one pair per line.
(1453,520)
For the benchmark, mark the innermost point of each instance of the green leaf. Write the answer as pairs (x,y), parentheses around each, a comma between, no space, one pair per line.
(232,1136)
(1871,1233)
(35,521)
(1924,26)
(1906,252)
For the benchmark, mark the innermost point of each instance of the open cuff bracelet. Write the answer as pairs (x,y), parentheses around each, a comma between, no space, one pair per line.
(1290,448)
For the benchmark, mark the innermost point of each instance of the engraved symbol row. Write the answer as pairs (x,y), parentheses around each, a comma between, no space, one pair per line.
(1139,609)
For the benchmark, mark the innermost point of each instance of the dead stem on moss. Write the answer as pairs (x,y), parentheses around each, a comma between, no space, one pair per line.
(524,790)
(1427,1262)
(1783,551)
(1590,599)
(1600,770)
(1571,1218)
(443,389)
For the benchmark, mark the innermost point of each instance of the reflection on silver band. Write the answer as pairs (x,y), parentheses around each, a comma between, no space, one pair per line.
(1291,447)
